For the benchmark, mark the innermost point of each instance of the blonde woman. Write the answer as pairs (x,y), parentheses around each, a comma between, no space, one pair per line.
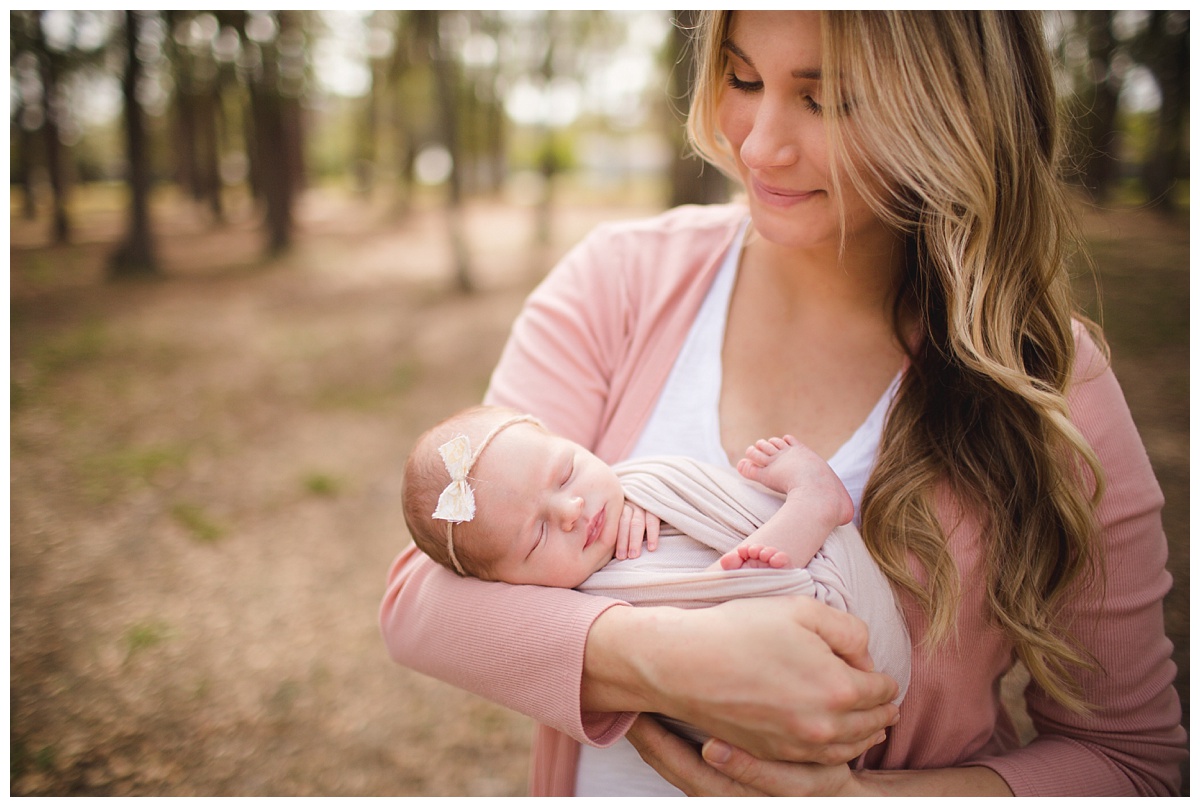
(893,293)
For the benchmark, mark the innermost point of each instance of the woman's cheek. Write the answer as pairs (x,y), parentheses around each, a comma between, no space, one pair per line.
(733,116)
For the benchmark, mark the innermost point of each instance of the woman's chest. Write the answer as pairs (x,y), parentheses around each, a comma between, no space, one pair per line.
(803,379)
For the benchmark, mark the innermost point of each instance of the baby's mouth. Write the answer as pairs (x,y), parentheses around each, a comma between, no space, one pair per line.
(595,527)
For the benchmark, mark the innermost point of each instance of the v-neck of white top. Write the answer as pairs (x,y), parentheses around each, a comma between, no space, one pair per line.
(686,418)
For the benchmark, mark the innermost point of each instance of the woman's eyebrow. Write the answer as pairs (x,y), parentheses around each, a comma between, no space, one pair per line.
(811,73)
(738,52)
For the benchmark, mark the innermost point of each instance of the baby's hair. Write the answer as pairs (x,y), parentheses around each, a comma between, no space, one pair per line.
(425,477)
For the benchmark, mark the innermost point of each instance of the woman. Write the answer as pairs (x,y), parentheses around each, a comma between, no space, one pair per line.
(898,301)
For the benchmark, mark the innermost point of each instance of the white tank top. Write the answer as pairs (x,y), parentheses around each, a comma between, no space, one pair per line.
(686,421)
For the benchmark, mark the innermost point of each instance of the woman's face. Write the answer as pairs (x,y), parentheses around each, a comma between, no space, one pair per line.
(772,111)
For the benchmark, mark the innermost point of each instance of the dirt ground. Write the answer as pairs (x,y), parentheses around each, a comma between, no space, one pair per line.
(205,482)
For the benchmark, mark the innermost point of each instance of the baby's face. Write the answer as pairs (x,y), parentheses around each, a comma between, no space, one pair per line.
(553,507)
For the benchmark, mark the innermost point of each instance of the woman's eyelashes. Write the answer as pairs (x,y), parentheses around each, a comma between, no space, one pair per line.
(742,85)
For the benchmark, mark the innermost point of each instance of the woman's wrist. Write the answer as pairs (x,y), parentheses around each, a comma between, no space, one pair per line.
(619,658)
(965,781)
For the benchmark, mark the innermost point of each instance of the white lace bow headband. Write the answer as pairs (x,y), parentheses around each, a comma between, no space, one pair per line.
(457,502)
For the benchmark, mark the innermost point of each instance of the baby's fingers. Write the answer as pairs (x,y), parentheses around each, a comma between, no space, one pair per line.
(652,529)
(637,530)
(621,549)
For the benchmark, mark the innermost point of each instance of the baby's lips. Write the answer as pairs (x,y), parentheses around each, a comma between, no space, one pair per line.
(595,525)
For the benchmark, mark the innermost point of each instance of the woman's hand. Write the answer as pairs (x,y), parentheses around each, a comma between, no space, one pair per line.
(727,771)
(782,677)
(723,770)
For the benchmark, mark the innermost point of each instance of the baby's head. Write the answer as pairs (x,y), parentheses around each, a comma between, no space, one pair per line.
(546,510)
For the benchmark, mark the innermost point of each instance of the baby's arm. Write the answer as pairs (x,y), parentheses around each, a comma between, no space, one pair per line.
(816,502)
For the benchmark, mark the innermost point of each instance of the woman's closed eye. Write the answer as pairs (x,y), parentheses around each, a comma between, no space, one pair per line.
(743,85)
(740,84)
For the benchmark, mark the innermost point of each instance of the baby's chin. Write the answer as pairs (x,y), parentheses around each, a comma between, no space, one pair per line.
(610,551)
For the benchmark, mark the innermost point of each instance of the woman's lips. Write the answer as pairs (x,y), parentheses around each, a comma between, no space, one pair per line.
(780,197)
(595,526)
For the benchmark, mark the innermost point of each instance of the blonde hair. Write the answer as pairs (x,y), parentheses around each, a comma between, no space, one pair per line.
(952,136)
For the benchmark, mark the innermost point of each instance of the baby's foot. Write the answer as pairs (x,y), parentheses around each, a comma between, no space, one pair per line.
(787,466)
(753,556)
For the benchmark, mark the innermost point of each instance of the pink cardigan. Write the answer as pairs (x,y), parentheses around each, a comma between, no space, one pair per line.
(589,354)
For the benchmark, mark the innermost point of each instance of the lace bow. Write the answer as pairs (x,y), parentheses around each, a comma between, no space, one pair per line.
(457,502)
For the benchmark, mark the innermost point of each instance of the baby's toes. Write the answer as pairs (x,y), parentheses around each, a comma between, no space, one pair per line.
(779,560)
(778,443)
(749,468)
(756,456)
(732,560)
(768,446)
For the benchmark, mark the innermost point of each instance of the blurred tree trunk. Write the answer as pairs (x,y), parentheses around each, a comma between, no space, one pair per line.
(208,148)
(548,162)
(274,171)
(1098,119)
(493,151)
(292,45)
(197,103)
(23,162)
(446,82)
(401,118)
(135,257)
(1164,48)
(269,140)
(366,160)
(182,100)
(55,158)
(186,168)
(693,181)
(496,151)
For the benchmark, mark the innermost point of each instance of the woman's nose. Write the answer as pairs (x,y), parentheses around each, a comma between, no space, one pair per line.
(568,509)
(771,140)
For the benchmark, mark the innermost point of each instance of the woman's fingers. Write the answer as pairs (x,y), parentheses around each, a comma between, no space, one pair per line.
(724,770)
(678,763)
(779,778)
(856,724)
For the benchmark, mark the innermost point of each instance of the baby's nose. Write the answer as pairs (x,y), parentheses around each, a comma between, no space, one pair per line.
(570,508)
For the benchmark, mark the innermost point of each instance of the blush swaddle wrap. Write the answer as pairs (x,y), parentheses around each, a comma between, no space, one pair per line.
(707,511)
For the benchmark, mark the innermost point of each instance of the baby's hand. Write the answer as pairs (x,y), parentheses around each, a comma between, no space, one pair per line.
(636,525)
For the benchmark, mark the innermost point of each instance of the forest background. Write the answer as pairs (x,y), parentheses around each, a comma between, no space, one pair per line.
(254,254)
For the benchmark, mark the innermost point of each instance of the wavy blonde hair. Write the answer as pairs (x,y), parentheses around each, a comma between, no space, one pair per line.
(952,136)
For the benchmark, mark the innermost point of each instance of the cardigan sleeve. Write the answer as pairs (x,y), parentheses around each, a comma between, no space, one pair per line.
(523,646)
(568,341)
(1133,742)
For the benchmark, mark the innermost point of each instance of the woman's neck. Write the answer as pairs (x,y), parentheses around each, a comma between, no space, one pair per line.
(860,279)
